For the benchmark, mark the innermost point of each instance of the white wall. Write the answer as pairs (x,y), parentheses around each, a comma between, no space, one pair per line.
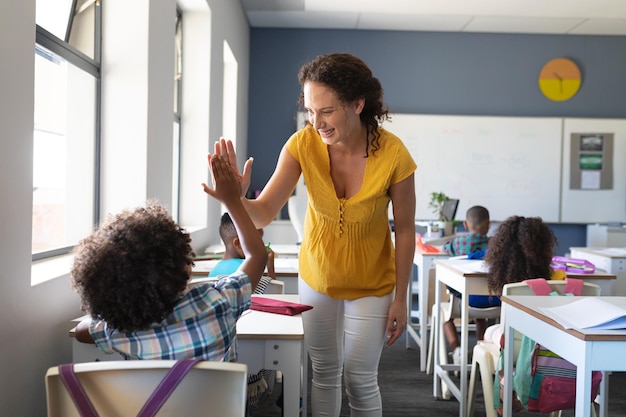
(33,335)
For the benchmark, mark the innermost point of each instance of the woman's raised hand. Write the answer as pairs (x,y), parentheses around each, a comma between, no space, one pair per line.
(226,149)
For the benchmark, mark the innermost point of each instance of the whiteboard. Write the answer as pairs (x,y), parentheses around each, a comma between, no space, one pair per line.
(510,165)
(595,205)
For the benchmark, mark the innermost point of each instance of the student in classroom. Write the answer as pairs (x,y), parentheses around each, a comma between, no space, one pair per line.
(474,243)
(521,248)
(132,275)
(234,256)
(260,385)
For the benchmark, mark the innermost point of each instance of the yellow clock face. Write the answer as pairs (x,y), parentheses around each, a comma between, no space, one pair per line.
(559,79)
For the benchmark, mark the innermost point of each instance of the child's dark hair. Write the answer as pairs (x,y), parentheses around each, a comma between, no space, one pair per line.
(521,248)
(134,268)
(351,79)
(227,228)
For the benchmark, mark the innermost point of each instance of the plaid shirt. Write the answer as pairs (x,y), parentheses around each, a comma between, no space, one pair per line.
(202,325)
(466,244)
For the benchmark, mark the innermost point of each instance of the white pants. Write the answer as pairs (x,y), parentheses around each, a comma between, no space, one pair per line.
(344,337)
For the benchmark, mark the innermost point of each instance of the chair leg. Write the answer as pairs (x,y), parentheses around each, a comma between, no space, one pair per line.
(443,354)
(483,364)
(431,342)
(471,389)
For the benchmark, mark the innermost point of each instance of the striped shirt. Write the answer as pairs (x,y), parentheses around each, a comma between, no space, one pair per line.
(202,325)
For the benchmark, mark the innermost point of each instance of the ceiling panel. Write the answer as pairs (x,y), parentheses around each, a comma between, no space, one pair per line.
(583,17)
(508,24)
(378,21)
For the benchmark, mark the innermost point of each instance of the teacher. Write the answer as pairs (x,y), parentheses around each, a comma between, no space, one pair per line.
(350,270)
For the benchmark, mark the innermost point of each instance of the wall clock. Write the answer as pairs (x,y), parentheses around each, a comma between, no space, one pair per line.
(559,79)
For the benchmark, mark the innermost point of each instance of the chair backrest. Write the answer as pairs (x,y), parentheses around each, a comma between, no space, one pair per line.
(275,287)
(296,207)
(520,288)
(121,388)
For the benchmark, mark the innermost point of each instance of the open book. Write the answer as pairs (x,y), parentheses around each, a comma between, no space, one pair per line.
(588,313)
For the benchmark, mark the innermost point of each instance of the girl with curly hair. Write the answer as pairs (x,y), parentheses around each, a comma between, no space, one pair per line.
(521,248)
(350,270)
(132,274)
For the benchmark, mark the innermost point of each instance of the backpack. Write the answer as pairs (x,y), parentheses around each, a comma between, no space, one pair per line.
(543,381)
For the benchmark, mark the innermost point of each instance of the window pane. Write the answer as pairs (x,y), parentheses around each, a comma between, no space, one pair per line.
(63,153)
(76,27)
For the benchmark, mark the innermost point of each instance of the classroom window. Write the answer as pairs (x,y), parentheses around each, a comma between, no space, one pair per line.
(72,21)
(65,138)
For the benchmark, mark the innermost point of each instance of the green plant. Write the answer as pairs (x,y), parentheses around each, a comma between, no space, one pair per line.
(436,203)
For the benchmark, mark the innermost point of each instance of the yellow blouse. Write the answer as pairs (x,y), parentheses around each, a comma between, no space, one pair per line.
(347,251)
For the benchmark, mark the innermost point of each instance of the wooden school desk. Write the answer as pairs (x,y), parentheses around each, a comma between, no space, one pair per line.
(612,260)
(470,277)
(286,271)
(264,341)
(598,350)
(281,250)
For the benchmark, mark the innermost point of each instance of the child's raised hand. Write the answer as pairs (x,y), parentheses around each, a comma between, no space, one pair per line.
(226,149)
(226,186)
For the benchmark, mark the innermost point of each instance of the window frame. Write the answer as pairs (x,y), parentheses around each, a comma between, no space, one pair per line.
(92,67)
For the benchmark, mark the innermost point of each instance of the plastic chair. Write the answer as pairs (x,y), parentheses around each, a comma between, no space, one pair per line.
(486,353)
(452,309)
(447,310)
(121,388)
(296,207)
(275,287)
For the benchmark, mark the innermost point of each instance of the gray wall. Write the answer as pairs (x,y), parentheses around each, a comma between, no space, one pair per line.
(434,73)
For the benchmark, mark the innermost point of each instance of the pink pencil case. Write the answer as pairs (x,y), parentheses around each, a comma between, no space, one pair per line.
(271,305)
(572,265)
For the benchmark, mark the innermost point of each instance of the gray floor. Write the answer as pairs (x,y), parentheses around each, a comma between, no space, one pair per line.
(407,392)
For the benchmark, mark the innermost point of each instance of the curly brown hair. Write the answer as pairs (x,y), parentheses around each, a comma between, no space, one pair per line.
(351,79)
(521,248)
(133,269)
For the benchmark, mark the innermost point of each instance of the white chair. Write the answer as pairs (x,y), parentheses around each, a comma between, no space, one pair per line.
(275,287)
(486,353)
(451,309)
(121,388)
(296,207)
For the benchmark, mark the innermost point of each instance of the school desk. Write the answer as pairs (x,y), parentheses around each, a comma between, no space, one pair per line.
(286,271)
(598,350)
(470,277)
(612,260)
(281,250)
(264,341)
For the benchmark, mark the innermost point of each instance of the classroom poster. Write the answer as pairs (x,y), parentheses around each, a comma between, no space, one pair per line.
(591,161)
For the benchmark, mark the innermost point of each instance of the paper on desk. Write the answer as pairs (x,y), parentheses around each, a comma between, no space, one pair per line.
(470,265)
(286,265)
(204,265)
(588,313)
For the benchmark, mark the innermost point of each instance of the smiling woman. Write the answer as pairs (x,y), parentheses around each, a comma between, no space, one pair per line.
(351,272)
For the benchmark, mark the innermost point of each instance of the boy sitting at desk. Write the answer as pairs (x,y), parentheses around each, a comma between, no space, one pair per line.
(132,275)
(260,385)
(474,243)
(234,255)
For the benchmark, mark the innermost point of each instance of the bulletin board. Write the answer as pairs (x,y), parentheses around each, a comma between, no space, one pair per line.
(594,190)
